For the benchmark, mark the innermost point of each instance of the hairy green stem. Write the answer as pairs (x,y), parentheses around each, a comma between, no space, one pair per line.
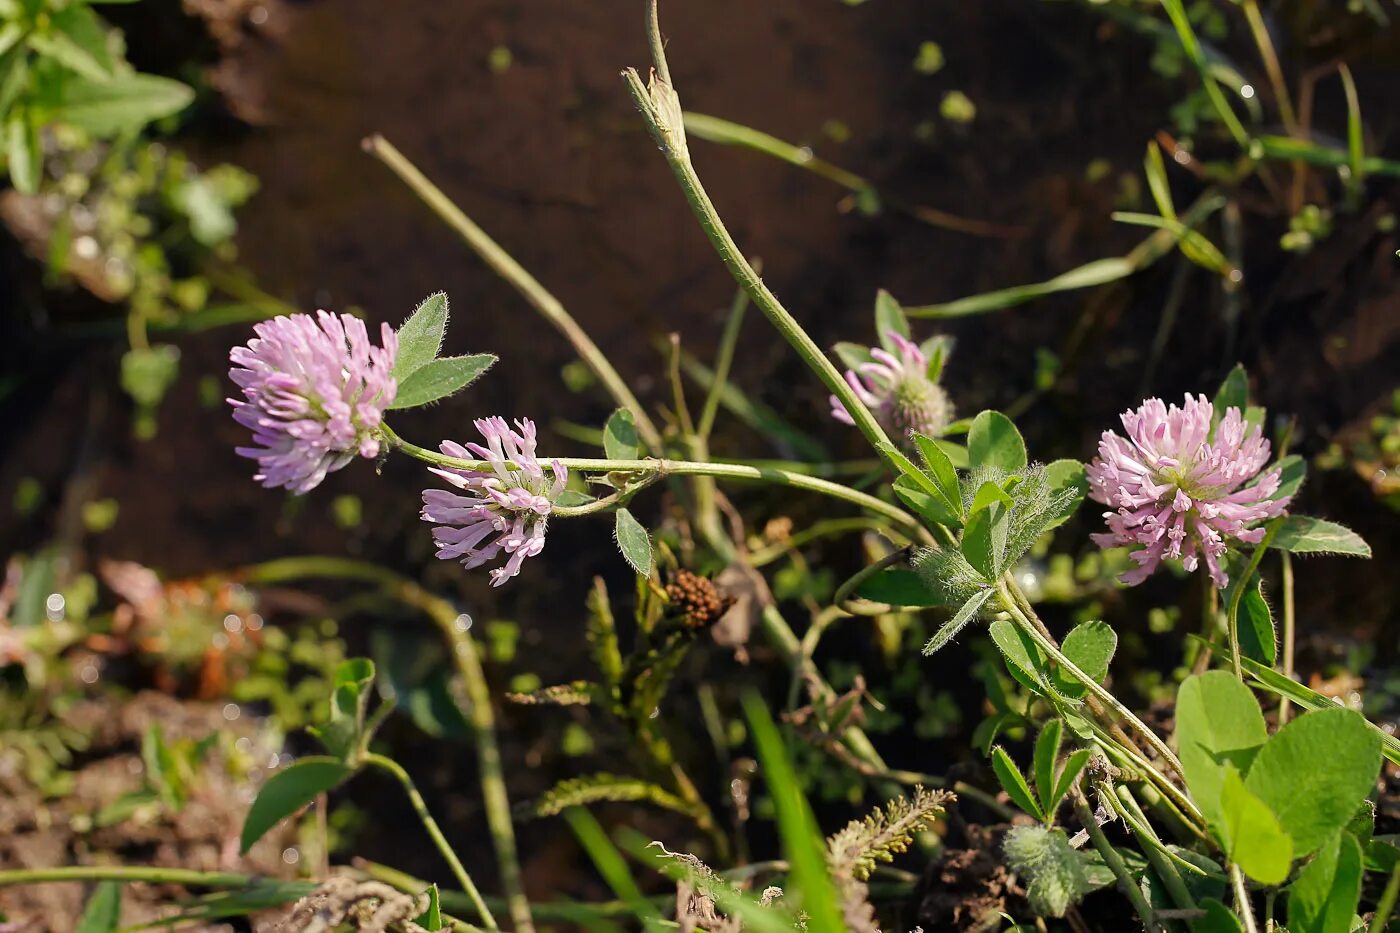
(1386,905)
(478,710)
(1242,905)
(1153,848)
(1115,863)
(660,107)
(124,873)
(420,807)
(504,265)
(1094,687)
(662,468)
(1289,632)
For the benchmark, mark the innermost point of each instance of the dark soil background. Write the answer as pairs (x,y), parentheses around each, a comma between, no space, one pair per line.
(550,158)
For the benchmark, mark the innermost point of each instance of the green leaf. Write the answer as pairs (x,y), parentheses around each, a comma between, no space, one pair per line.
(1047,752)
(1090,645)
(611,865)
(937,349)
(1256,624)
(941,469)
(343,733)
(1293,469)
(1156,172)
(102,914)
(1217,722)
(1326,893)
(1076,763)
(288,791)
(1307,698)
(1023,657)
(889,316)
(14,70)
(803,845)
(120,104)
(1302,534)
(431,919)
(994,441)
(853,355)
(437,379)
(26,159)
(1014,783)
(633,541)
(76,40)
(1315,772)
(147,373)
(572,498)
(420,335)
(1218,919)
(1098,272)
(1233,393)
(620,441)
(984,540)
(949,630)
(930,505)
(988,493)
(1253,838)
(1062,475)
(899,587)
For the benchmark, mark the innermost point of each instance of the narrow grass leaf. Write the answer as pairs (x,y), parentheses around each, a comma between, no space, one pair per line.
(610,864)
(1098,272)
(102,914)
(803,845)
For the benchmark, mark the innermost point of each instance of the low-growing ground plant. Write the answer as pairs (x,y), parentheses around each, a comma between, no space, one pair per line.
(1249,804)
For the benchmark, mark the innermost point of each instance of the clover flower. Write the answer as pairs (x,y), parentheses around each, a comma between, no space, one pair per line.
(1178,492)
(898,391)
(512,500)
(314,394)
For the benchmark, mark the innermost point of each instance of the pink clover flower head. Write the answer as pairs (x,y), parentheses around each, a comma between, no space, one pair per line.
(503,509)
(1179,493)
(314,394)
(896,388)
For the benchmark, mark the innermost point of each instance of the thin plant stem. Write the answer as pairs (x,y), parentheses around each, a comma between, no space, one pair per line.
(1242,905)
(184,877)
(1153,848)
(724,359)
(504,265)
(1115,863)
(478,710)
(420,807)
(1260,31)
(660,107)
(1094,687)
(822,529)
(1386,905)
(662,468)
(1289,631)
